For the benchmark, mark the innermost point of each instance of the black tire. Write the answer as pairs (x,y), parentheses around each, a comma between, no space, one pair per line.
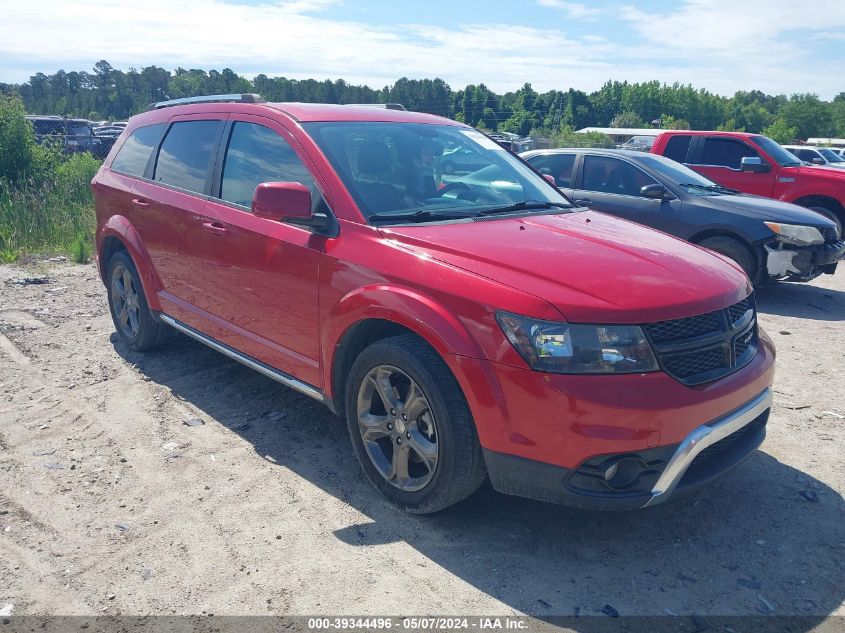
(830,215)
(137,327)
(735,250)
(459,464)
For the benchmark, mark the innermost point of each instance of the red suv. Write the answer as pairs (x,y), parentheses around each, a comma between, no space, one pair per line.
(464,325)
(756,164)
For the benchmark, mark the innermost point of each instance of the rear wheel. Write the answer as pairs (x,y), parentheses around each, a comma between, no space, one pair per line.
(128,305)
(410,426)
(736,251)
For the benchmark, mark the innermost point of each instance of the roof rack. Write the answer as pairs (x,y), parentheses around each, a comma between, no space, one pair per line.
(388,106)
(233,98)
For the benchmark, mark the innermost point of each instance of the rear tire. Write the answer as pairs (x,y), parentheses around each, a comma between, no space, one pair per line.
(133,321)
(736,251)
(830,215)
(410,426)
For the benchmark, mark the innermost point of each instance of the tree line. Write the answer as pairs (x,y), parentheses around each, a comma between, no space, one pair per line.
(111,94)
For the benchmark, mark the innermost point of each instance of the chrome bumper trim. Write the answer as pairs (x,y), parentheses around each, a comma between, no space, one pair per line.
(701,438)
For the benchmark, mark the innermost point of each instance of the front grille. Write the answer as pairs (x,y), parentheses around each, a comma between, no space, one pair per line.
(687,365)
(705,347)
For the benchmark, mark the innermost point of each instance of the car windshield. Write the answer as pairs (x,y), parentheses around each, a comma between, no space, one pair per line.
(830,155)
(779,154)
(413,172)
(679,175)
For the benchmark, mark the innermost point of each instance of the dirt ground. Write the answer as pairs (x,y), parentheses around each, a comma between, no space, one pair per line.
(110,503)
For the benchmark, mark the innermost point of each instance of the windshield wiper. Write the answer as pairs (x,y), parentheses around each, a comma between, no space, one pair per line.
(525,205)
(421,216)
(716,188)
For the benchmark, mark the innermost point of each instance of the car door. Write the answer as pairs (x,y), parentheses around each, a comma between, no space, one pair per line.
(168,207)
(719,158)
(612,185)
(262,275)
(559,165)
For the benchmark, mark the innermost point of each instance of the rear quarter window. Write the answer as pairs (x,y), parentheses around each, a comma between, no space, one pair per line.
(677,147)
(557,165)
(134,154)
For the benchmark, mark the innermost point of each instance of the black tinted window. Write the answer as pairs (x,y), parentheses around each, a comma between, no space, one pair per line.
(676,147)
(805,154)
(185,154)
(557,165)
(257,154)
(610,175)
(134,154)
(725,152)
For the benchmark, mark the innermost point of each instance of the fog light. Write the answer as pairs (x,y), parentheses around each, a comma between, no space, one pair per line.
(624,473)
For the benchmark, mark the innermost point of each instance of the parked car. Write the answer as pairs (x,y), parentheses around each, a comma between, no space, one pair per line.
(462,330)
(769,239)
(639,143)
(822,156)
(75,135)
(756,164)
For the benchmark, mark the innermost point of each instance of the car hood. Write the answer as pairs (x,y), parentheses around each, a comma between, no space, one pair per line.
(592,267)
(768,209)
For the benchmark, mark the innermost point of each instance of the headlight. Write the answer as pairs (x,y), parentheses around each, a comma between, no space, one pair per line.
(796,234)
(567,348)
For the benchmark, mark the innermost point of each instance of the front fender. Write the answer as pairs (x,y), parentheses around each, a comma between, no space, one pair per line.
(120,228)
(407,307)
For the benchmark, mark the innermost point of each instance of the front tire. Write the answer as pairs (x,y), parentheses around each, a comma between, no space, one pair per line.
(130,312)
(830,215)
(736,251)
(410,426)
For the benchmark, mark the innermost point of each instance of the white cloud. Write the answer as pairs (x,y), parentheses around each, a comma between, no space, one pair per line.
(720,45)
(574,10)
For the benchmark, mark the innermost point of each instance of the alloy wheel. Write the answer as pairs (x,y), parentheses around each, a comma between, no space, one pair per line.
(124,294)
(398,428)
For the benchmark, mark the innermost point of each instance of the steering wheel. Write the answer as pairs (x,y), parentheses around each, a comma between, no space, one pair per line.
(452,186)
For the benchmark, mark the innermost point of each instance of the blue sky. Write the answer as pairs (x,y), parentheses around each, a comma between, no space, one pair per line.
(779,46)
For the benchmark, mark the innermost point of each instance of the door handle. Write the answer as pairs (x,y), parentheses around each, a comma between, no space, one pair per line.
(216,228)
(584,202)
(141,204)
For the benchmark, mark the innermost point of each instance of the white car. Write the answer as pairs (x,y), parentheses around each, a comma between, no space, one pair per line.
(823,156)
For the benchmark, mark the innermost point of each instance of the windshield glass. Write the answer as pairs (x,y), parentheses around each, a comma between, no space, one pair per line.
(691,181)
(395,169)
(830,155)
(781,156)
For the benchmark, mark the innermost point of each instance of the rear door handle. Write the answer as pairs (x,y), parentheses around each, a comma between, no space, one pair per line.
(216,228)
(585,202)
(140,203)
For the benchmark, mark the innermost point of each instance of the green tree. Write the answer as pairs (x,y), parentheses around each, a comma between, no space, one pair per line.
(628,119)
(781,131)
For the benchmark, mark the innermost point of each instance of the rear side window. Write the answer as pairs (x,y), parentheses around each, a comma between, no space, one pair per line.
(725,152)
(257,154)
(186,153)
(134,154)
(677,146)
(557,165)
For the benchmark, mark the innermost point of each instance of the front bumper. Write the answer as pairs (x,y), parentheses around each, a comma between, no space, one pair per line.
(653,475)
(803,263)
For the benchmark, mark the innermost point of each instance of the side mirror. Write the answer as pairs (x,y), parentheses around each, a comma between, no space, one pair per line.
(754,165)
(286,202)
(818,161)
(551,179)
(655,191)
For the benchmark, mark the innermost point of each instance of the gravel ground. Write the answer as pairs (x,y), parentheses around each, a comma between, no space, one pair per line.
(111,504)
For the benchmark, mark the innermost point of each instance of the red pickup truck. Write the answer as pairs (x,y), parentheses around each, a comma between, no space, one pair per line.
(756,164)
